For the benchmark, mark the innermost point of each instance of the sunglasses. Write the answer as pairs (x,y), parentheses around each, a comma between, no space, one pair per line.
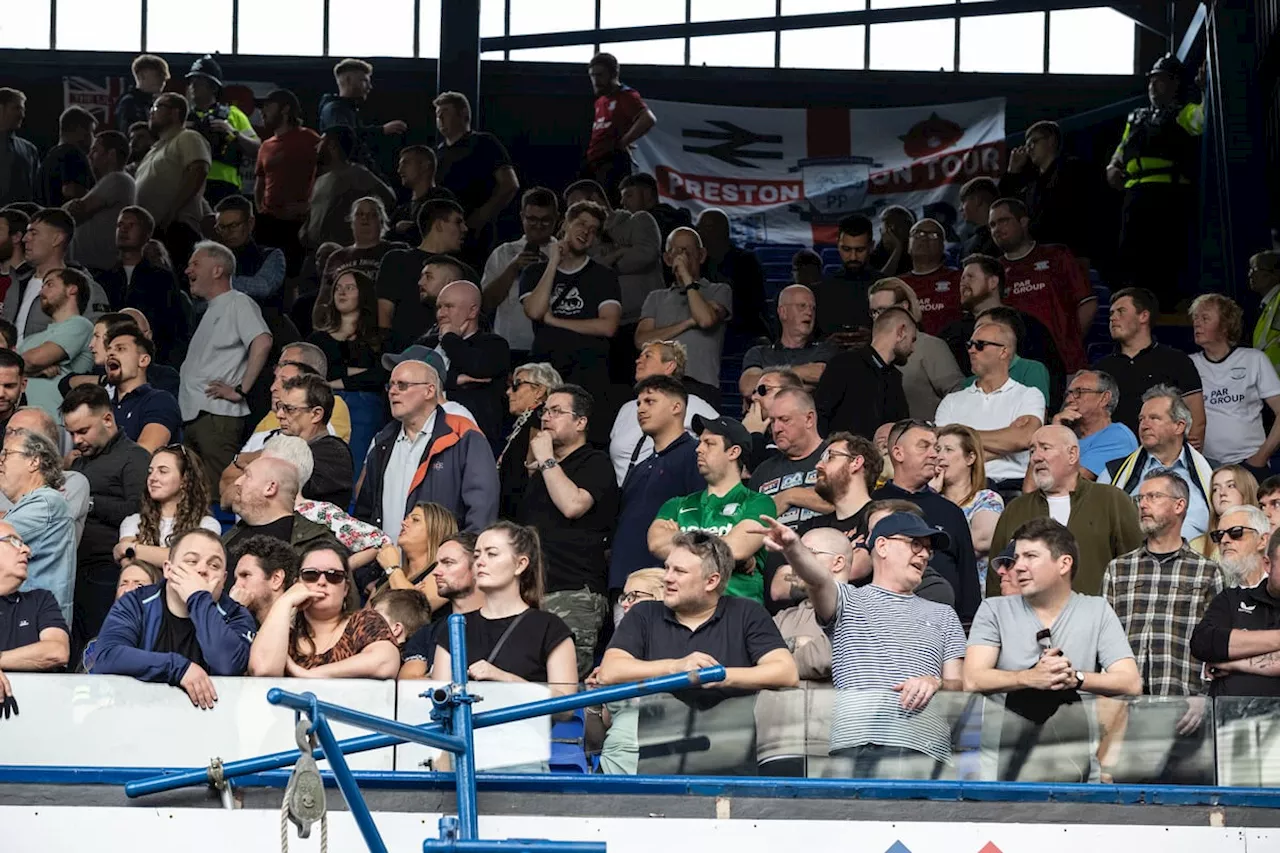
(633,596)
(763,390)
(982,345)
(1235,534)
(334,577)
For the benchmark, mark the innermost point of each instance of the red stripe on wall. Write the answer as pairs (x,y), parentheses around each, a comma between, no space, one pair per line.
(827,134)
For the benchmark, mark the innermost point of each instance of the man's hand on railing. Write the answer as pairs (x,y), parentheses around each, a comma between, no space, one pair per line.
(693,662)
(1191,720)
(199,687)
(8,704)
(916,692)
(1052,672)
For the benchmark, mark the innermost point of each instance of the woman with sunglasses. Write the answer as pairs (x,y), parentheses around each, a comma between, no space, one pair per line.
(962,479)
(1230,485)
(176,498)
(510,638)
(346,330)
(317,630)
(530,384)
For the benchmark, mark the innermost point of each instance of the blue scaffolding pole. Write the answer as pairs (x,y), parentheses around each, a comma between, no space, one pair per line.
(452,731)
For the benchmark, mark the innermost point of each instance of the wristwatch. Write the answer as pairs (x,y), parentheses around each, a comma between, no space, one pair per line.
(548,465)
(390,570)
(1079,679)
(693,285)
(240,391)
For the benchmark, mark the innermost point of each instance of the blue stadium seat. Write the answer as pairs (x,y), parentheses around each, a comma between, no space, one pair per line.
(568,745)
(830,256)
(833,269)
(225,517)
(775,273)
(777,253)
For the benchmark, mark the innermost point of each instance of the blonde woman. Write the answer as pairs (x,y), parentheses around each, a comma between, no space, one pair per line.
(962,479)
(411,560)
(1230,485)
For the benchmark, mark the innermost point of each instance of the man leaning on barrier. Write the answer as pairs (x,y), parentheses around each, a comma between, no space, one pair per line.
(33,634)
(891,650)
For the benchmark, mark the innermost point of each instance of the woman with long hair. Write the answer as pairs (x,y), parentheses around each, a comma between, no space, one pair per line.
(526,394)
(1242,380)
(176,497)
(410,561)
(346,330)
(510,638)
(962,479)
(317,629)
(1230,485)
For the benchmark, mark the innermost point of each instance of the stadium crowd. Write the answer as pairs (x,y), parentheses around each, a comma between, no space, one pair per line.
(286,431)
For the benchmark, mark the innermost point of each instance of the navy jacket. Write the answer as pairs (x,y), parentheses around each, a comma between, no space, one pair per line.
(224,630)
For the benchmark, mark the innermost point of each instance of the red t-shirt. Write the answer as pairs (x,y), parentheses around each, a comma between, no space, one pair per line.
(939,295)
(614,116)
(1048,284)
(287,168)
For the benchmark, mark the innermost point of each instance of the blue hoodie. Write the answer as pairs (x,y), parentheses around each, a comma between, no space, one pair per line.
(224,631)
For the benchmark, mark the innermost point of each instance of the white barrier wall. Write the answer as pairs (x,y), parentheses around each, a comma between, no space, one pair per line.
(115,721)
(128,830)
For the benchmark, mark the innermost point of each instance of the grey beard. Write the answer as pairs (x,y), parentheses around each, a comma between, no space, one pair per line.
(1238,569)
(1043,481)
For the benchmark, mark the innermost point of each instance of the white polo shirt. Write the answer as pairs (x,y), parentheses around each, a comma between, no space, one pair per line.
(979,410)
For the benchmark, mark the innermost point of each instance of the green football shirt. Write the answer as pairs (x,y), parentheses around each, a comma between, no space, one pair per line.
(706,512)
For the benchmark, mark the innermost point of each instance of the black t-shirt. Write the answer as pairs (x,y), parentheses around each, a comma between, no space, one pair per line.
(178,636)
(281,528)
(467,167)
(778,472)
(422,645)
(1156,365)
(579,295)
(738,634)
(408,211)
(842,303)
(573,550)
(64,164)
(525,652)
(331,476)
(23,615)
(397,283)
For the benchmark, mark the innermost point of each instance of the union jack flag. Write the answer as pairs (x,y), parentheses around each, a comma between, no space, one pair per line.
(98,97)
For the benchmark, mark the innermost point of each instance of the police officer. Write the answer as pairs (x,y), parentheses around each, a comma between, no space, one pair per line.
(1154,165)
(231,137)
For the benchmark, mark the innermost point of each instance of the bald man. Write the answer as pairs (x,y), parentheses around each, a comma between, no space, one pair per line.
(265,495)
(1103,518)
(477,361)
(795,347)
(737,268)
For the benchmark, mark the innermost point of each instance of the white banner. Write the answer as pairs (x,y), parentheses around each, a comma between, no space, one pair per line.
(790,175)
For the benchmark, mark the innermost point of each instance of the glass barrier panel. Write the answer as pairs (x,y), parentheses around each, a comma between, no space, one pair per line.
(1248,741)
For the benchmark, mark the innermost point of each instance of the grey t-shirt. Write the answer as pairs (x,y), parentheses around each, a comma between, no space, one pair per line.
(776,355)
(219,350)
(94,242)
(1087,630)
(671,305)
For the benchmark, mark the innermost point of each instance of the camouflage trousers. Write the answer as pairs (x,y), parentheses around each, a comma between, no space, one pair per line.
(583,611)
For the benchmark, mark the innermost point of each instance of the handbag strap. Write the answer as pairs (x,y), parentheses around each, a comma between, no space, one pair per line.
(492,657)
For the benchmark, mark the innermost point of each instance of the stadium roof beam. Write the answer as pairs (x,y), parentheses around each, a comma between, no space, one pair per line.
(806,22)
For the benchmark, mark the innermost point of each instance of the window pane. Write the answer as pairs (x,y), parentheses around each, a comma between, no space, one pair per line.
(743,50)
(904,4)
(30,29)
(492,13)
(99,24)
(722,10)
(371,27)
(814,7)
(1003,43)
(913,45)
(1090,41)
(833,47)
(652,52)
(281,27)
(181,26)
(429,29)
(551,16)
(567,53)
(628,13)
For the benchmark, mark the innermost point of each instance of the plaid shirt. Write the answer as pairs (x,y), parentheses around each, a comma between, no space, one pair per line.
(1160,602)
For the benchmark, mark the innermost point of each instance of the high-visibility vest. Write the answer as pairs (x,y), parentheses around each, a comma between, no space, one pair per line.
(1158,145)
(1266,334)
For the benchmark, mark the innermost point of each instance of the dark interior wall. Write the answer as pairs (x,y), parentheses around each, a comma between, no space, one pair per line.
(543,111)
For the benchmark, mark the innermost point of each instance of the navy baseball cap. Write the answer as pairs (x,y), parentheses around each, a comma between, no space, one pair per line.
(1005,559)
(730,430)
(913,526)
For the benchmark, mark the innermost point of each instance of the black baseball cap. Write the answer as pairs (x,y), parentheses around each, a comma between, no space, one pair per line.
(1005,559)
(906,524)
(730,430)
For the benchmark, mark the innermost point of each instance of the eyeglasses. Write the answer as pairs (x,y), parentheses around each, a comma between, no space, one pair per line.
(517,384)
(15,541)
(828,453)
(636,595)
(555,412)
(4,454)
(1076,392)
(763,390)
(1235,534)
(289,410)
(917,546)
(402,386)
(1151,496)
(334,577)
(927,235)
(982,345)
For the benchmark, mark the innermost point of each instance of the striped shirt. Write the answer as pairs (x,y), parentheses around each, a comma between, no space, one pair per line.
(878,640)
(1160,600)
